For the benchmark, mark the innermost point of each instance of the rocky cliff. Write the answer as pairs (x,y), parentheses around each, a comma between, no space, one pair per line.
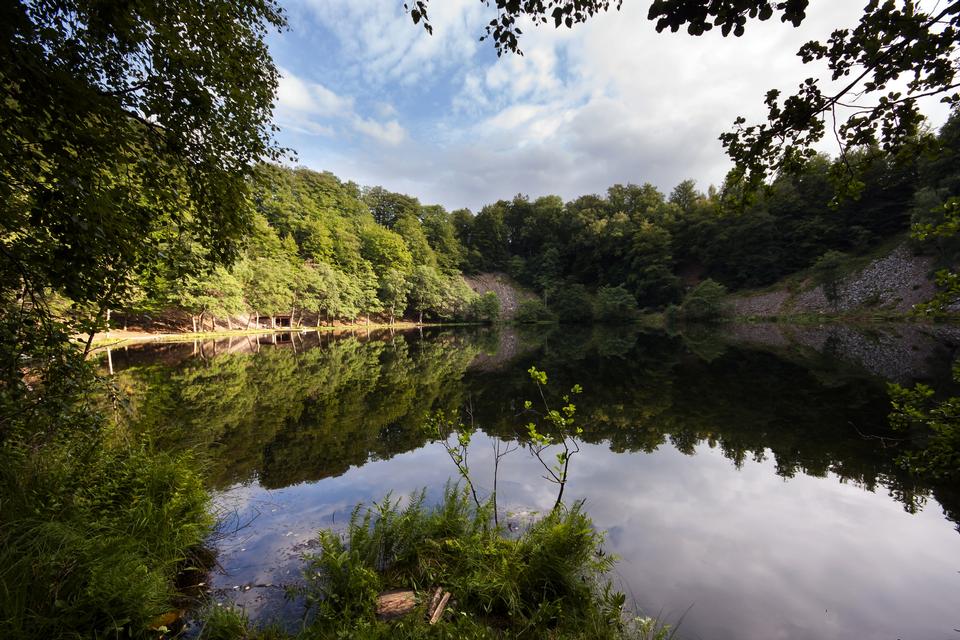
(889,284)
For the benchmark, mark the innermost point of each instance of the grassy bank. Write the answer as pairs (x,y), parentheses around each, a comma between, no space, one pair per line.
(550,581)
(96,532)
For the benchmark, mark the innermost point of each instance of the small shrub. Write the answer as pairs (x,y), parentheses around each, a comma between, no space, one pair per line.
(828,272)
(704,303)
(532,311)
(571,303)
(616,305)
(547,582)
(485,307)
(93,537)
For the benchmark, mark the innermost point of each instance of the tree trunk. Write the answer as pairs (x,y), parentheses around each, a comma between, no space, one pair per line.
(258,319)
(420,318)
(194,320)
(273,322)
(229,323)
(108,321)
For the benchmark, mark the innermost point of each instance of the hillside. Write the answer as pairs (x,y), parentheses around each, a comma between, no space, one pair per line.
(508,291)
(890,280)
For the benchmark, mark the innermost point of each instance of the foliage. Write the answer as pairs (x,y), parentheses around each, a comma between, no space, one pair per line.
(533,311)
(945,230)
(571,302)
(486,307)
(935,423)
(126,132)
(559,428)
(615,305)
(547,582)
(828,273)
(94,533)
(705,302)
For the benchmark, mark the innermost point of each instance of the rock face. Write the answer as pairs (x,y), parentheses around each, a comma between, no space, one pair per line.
(893,283)
(508,291)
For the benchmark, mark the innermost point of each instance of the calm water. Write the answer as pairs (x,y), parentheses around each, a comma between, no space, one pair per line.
(746,478)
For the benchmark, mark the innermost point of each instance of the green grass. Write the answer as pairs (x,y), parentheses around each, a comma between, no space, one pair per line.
(550,581)
(94,535)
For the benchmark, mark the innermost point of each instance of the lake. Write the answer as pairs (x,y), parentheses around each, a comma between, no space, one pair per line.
(746,476)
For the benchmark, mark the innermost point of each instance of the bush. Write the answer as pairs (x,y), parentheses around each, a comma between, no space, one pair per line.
(828,272)
(547,582)
(93,536)
(531,311)
(485,307)
(616,305)
(704,303)
(571,303)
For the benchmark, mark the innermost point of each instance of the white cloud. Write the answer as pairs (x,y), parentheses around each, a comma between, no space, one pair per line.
(383,45)
(390,133)
(307,107)
(608,101)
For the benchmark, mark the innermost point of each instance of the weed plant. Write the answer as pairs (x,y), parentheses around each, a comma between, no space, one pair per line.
(549,581)
(93,531)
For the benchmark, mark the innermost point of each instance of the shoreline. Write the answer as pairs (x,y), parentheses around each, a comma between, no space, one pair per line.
(120,337)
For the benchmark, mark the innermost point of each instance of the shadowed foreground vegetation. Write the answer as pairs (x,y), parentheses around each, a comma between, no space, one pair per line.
(550,581)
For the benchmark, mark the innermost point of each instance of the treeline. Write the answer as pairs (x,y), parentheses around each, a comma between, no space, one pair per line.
(657,245)
(321,250)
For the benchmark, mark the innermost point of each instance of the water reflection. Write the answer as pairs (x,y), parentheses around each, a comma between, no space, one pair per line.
(748,473)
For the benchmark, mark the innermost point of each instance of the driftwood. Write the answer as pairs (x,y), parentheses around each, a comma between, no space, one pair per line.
(395,604)
(437,604)
(398,603)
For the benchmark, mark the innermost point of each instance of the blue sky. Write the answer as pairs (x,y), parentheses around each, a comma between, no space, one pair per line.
(374,99)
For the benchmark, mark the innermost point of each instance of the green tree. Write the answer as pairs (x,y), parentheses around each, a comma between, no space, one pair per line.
(118,122)
(571,302)
(615,305)
(426,292)
(685,195)
(442,235)
(384,249)
(828,273)
(705,302)
(217,293)
(394,289)
(533,311)
(651,259)
(486,307)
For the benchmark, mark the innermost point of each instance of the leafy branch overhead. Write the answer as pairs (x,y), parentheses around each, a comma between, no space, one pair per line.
(882,68)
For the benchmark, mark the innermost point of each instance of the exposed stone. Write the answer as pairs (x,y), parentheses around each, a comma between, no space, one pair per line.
(895,282)
(508,292)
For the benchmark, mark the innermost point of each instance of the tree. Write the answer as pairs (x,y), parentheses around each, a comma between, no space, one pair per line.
(705,302)
(426,293)
(571,302)
(685,195)
(118,121)
(615,305)
(651,277)
(394,289)
(893,40)
(388,207)
(828,273)
(486,307)
(217,293)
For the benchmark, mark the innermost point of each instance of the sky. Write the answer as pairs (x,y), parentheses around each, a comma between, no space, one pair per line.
(374,99)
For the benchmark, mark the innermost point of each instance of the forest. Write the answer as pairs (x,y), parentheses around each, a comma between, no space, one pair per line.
(324,250)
